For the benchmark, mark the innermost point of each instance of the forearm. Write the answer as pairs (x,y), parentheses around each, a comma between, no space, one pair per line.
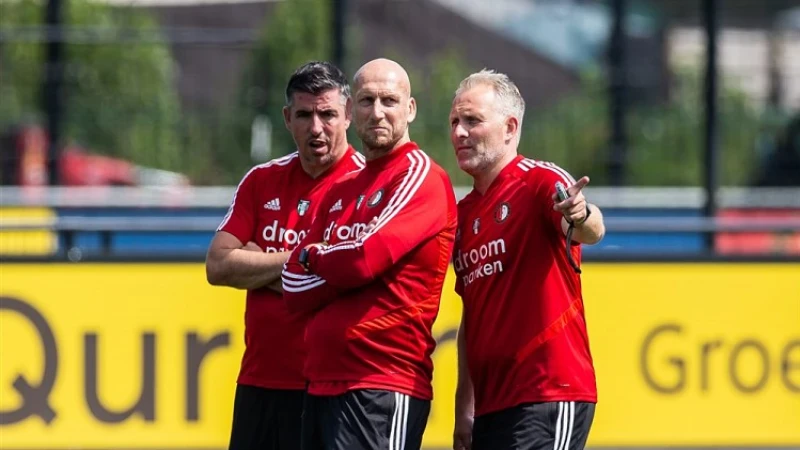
(304,292)
(276,286)
(465,394)
(351,264)
(590,232)
(243,269)
(416,211)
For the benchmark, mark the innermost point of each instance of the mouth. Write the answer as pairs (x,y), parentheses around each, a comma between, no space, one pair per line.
(463,148)
(317,144)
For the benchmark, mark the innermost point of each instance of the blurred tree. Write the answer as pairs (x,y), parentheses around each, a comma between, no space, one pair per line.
(120,98)
(666,145)
(779,163)
(299,31)
(665,140)
(434,95)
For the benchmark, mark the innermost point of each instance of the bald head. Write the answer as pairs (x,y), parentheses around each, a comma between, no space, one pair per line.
(383,106)
(384,70)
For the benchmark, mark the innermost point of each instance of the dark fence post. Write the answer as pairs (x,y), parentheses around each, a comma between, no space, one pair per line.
(339,29)
(53,80)
(618,86)
(711,141)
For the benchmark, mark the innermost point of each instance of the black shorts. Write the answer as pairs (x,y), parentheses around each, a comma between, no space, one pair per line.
(266,419)
(364,420)
(535,426)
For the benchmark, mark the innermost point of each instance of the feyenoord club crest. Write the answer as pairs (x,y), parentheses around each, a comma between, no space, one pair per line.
(359,201)
(476,225)
(502,212)
(302,207)
(375,198)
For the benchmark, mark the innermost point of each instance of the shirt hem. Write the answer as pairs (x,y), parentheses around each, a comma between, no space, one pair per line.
(588,398)
(272,384)
(330,388)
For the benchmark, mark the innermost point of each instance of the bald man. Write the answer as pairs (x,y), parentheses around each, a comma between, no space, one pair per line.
(370,274)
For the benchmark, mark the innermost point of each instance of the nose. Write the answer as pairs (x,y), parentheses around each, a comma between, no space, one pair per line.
(460,131)
(376,111)
(316,125)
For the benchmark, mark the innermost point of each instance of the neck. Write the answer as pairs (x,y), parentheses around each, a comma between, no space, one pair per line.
(378,152)
(315,170)
(485,178)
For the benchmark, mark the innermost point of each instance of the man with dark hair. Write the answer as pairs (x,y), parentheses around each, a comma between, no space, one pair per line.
(270,214)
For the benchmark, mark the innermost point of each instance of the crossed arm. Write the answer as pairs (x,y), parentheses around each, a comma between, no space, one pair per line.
(416,210)
(231,263)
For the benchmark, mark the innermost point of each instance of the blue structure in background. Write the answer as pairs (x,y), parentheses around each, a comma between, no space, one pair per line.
(190,244)
(630,242)
(143,243)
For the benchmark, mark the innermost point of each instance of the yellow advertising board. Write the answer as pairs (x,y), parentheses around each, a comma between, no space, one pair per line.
(107,356)
(695,354)
(146,356)
(27,242)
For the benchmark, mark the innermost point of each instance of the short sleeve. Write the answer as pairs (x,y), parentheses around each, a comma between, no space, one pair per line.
(240,219)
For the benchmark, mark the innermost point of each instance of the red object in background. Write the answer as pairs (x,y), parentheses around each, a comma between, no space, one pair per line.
(79,168)
(31,146)
(759,243)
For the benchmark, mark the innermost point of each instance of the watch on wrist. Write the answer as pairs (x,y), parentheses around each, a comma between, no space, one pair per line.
(303,257)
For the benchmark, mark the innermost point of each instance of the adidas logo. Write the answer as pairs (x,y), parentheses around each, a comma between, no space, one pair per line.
(273,205)
(336,206)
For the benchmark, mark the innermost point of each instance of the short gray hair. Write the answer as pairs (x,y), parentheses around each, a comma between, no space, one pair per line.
(510,101)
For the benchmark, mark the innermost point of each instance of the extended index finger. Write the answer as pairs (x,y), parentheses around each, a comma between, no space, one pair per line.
(580,184)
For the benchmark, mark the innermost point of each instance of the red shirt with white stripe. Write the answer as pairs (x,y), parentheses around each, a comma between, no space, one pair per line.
(374,299)
(273,206)
(524,322)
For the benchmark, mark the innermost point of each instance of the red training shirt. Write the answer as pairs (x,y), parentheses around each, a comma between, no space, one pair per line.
(375,298)
(273,206)
(525,329)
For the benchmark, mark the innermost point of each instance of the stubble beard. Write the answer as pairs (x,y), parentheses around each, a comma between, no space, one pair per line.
(376,147)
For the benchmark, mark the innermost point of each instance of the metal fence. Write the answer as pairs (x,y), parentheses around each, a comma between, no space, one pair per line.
(183,88)
(157,224)
(690,95)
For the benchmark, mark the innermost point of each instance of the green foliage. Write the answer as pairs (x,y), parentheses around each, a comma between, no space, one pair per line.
(434,95)
(298,32)
(121,101)
(119,98)
(666,145)
(668,141)
(571,133)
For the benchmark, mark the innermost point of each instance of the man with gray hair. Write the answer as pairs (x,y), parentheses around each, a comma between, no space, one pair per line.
(525,372)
